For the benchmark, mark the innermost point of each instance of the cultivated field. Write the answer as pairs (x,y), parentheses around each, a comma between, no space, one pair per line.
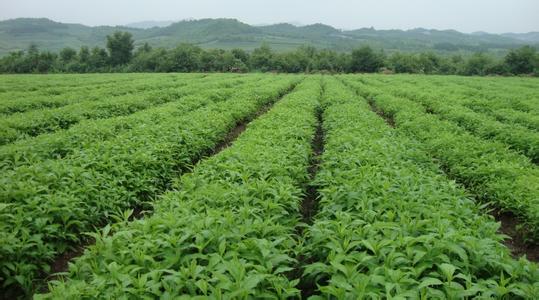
(268,186)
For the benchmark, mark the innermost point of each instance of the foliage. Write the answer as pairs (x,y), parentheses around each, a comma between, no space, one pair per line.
(262,58)
(478,64)
(401,212)
(62,198)
(391,225)
(365,60)
(238,211)
(522,61)
(17,34)
(187,57)
(449,106)
(490,171)
(120,46)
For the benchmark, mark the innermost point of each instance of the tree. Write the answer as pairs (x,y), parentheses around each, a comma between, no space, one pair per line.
(291,62)
(304,57)
(152,61)
(211,60)
(33,50)
(241,55)
(12,63)
(46,62)
(262,58)
(120,46)
(184,58)
(522,60)
(326,60)
(67,55)
(84,55)
(366,60)
(404,63)
(146,48)
(429,63)
(98,59)
(232,64)
(477,64)
(32,58)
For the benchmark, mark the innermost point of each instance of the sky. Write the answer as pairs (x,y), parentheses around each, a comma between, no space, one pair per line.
(495,16)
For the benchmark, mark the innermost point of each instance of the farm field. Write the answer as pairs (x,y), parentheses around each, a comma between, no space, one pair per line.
(128,186)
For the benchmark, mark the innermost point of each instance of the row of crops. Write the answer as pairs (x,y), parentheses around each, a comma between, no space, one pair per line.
(16,126)
(403,185)
(390,223)
(490,168)
(57,186)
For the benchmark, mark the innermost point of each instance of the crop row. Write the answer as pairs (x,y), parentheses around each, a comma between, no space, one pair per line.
(502,107)
(46,206)
(63,143)
(31,83)
(491,172)
(33,123)
(521,91)
(18,101)
(515,93)
(526,119)
(449,107)
(227,233)
(30,86)
(390,225)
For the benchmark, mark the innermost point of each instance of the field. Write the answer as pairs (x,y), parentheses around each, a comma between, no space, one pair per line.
(129,186)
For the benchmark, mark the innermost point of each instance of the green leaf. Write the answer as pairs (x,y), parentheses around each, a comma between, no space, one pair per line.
(429,281)
(448,270)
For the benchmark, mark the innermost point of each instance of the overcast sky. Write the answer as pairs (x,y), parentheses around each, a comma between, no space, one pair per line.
(495,16)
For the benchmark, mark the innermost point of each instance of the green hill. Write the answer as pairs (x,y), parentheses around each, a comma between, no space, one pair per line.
(18,34)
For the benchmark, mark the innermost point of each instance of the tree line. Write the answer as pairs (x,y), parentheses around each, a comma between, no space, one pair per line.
(120,55)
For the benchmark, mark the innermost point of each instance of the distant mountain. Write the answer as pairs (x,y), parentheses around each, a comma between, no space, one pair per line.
(18,34)
(149,24)
(530,37)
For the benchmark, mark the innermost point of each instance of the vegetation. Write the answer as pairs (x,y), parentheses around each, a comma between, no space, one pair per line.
(489,170)
(228,34)
(242,206)
(120,46)
(129,166)
(448,105)
(120,57)
(390,224)
(263,185)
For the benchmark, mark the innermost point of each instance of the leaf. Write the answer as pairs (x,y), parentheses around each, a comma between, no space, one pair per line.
(4,205)
(429,281)
(448,270)
(252,281)
(222,247)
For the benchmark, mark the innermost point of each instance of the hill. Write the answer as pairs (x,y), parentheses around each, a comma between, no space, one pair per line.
(18,34)
(149,24)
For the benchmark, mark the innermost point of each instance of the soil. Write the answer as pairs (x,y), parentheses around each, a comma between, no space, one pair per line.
(516,243)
